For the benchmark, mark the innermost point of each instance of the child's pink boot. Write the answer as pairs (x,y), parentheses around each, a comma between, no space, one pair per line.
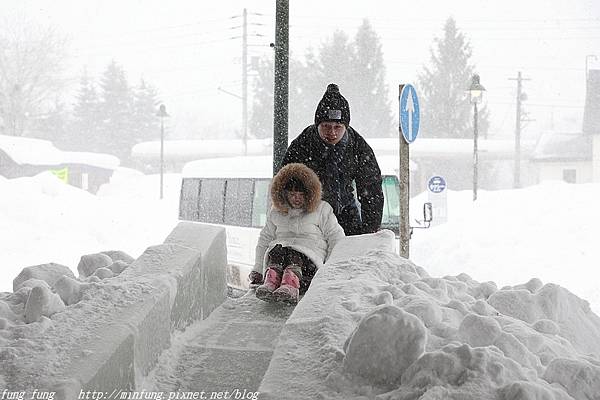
(272,282)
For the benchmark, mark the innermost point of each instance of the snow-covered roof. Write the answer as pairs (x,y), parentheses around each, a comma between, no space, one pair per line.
(563,147)
(491,149)
(185,150)
(230,167)
(207,148)
(260,167)
(42,152)
(96,159)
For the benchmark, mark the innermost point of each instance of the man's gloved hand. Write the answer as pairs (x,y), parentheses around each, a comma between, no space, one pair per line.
(256,278)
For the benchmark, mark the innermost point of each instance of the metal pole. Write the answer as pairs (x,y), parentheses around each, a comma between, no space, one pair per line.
(245,83)
(280,93)
(404,176)
(162,151)
(475,155)
(517,171)
(518,129)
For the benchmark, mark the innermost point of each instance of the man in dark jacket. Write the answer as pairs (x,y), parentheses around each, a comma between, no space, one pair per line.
(341,158)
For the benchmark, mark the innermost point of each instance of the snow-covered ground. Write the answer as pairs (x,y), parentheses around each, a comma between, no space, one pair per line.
(545,231)
(452,332)
(375,326)
(44,220)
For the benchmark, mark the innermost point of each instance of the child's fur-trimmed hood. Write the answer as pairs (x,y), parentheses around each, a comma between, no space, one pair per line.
(306,176)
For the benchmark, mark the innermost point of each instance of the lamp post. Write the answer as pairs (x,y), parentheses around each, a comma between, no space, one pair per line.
(162,113)
(476,93)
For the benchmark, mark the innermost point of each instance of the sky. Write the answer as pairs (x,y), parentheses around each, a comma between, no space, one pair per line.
(189,49)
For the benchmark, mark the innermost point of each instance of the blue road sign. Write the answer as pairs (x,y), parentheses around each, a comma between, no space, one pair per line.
(436,184)
(409,113)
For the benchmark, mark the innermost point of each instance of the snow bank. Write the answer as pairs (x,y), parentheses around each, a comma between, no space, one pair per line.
(97,333)
(376,326)
(507,236)
(43,220)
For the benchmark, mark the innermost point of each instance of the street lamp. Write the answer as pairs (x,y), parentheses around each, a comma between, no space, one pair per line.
(476,93)
(162,113)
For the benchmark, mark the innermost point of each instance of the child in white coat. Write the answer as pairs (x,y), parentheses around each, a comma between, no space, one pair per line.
(300,232)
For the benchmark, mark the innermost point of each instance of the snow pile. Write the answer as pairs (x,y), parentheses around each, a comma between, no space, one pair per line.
(376,326)
(34,330)
(43,290)
(44,220)
(547,230)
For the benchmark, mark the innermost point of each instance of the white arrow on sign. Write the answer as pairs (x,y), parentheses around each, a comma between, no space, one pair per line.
(410,107)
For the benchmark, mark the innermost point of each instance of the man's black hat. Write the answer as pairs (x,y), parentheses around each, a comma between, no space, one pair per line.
(333,107)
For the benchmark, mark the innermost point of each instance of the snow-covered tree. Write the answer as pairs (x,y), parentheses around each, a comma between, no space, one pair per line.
(446,111)
(355,65)
(145,106)
(116,110)
(84,132)
(260,123)
(370,105)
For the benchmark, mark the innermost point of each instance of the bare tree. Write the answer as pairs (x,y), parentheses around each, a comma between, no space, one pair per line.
(31,66)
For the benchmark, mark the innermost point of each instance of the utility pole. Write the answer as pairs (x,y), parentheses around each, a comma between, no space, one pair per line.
(280,92)
(520,96)
(245,81)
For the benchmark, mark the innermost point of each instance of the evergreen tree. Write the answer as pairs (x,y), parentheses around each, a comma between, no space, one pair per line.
(356,66)
(446,111)
(84,133)
(301,107)
(335,62)
(370,106)
(116,109)
(145,105)
(260,124)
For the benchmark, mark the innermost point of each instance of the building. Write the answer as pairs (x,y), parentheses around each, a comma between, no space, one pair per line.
(21,157)
(574,157)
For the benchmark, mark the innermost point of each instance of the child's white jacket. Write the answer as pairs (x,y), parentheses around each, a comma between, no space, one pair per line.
(313,231)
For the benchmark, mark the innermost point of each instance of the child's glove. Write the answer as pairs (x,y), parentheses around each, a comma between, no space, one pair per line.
(256,278)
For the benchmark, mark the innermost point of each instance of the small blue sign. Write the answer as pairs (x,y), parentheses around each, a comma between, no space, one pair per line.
(409,113)
(436,184)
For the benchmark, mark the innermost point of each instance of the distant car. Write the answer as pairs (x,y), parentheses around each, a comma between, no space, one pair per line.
(233,192)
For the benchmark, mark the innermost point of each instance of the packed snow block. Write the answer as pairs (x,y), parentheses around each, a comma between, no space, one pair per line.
(121,345)
(322,340)
(115,332)
(109,365)
(49,273)
(42,301)
(201,283)
(118,255)
(348,247)
(91,262)
(69,289)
